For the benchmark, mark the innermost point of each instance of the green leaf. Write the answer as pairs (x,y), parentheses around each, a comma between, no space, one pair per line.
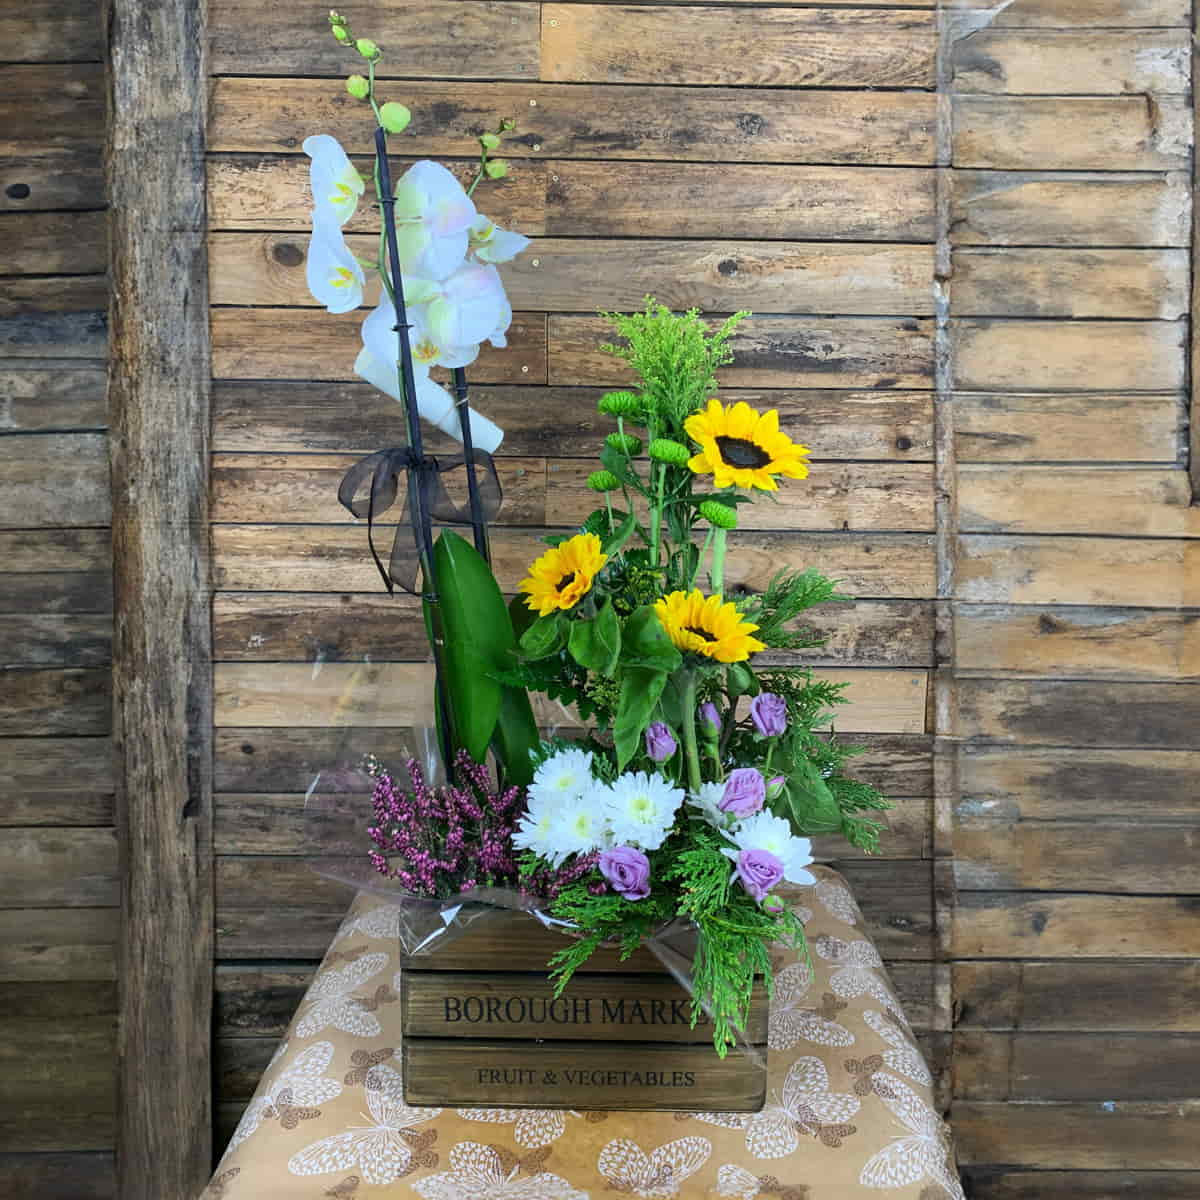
(646,643)
(807,801)
(620,535)
(596,644)
(640,690)
(516,735)
(616,462)
(543,638)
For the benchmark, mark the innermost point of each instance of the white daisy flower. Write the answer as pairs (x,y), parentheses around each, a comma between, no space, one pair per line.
(641,809)
(765,831)
(577,826)
(566,775)
(708,800)
(533,829)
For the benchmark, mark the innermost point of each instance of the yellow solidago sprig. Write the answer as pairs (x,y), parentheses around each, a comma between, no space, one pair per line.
(561,577)
(743,448)
(707,625)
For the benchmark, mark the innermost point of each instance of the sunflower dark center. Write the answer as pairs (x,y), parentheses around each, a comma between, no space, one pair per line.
(701,633)
(738,452)
(565,581)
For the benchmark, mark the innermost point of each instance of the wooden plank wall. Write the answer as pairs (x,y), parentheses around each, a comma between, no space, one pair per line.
(58,884)
(1076,932)
(727,156)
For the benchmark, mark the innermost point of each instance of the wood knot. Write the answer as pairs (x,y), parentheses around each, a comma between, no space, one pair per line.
(286,254)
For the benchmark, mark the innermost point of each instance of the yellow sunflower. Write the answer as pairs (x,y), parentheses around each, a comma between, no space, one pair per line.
(707,625)
(743,448)
(563,575)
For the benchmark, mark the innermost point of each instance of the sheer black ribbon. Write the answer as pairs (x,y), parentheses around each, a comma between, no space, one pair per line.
(427,501)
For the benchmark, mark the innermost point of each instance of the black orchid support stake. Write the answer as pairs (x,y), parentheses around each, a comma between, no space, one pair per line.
(478,519)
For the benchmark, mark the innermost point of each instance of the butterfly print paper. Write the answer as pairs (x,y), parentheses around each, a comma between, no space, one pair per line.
(655,1176)
(480,1172)
(807,1106)
(922,1153)
(792,1020)
(300,1087)
(331,1000)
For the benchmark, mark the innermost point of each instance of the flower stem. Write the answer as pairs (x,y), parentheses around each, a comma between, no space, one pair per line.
(656,515)
(716,574)
(700,559)
(691,749)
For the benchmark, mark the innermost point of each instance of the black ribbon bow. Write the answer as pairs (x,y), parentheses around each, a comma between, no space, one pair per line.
(427,502)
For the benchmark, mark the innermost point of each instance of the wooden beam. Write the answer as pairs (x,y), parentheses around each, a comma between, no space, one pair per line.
(159,383)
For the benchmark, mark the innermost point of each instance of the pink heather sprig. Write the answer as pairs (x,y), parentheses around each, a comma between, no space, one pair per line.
(441,841)
(546,883)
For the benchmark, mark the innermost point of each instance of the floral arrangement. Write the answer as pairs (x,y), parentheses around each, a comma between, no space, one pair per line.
(704,760)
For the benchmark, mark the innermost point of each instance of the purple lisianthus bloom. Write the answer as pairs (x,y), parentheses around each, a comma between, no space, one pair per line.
(745,792)
(710,719)
(660,745)
(627,870)
(758,871)
(769,714)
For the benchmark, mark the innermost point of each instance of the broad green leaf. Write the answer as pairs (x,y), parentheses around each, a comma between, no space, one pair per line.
(640,690)
(807,802)
(595,644)
(544,637)
(619,536)
(646,644)
(616,462)
(516,735)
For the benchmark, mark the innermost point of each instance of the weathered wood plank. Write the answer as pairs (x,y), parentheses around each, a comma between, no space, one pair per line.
(1062,784)
(852,352)
(56,781)
(1071,14)
(273,192)
(578,121)
(1001,1183)
(49,868)
(399,695)
(310,627)
(268,488)
(71,640)
(58,943)
(47,179)
(1122,1136)
(66,550)
(74,333)
(1097,643)
(458,41)
(53,243)
(67,1175)
(71,108)
(1069,713)
(991,427)
(1071,133)
(1107,356)
(1010,208)
(159,383)
(1042,925)
(37,298)
(51,592)
(355,417)
(1014,498)
(72,701)
(998,856)
(1079,570)
(43,398)
(281,343)
(57,31)
(583,275)
(1008,281)
(1050,62)
(597,43)
(614,199)
(1078,997)
(1075,1066)
(317,558)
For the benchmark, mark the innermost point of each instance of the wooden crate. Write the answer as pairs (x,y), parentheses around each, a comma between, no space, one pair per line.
(482,1029)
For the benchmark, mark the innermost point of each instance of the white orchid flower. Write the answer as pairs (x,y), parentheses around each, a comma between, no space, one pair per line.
(336,183)
(335,276)
(429,348)
(434,403)
(433,217)
(469,306)
(491,244)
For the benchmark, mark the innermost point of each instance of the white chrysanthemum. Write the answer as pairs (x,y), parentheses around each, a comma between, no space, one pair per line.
(563,776)
(765,831)
(576,826)
(533,829)
(708,801)
(641,809)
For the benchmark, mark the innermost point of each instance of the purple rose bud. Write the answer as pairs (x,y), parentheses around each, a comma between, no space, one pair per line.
(769,714)
(660,745)
(775,787)
(774,905)
(758,871)
(745,792)
(710,720)
(627,870)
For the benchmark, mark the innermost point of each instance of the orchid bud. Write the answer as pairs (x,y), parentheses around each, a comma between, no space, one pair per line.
(667,451)
(489,141)
(619,404)
(341,33)
(722,516)
(775,787)
(507,125)
(367,48)
(358,87)
(710,720)
(603,481)
(495,168)
(624,443)
(394,117)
